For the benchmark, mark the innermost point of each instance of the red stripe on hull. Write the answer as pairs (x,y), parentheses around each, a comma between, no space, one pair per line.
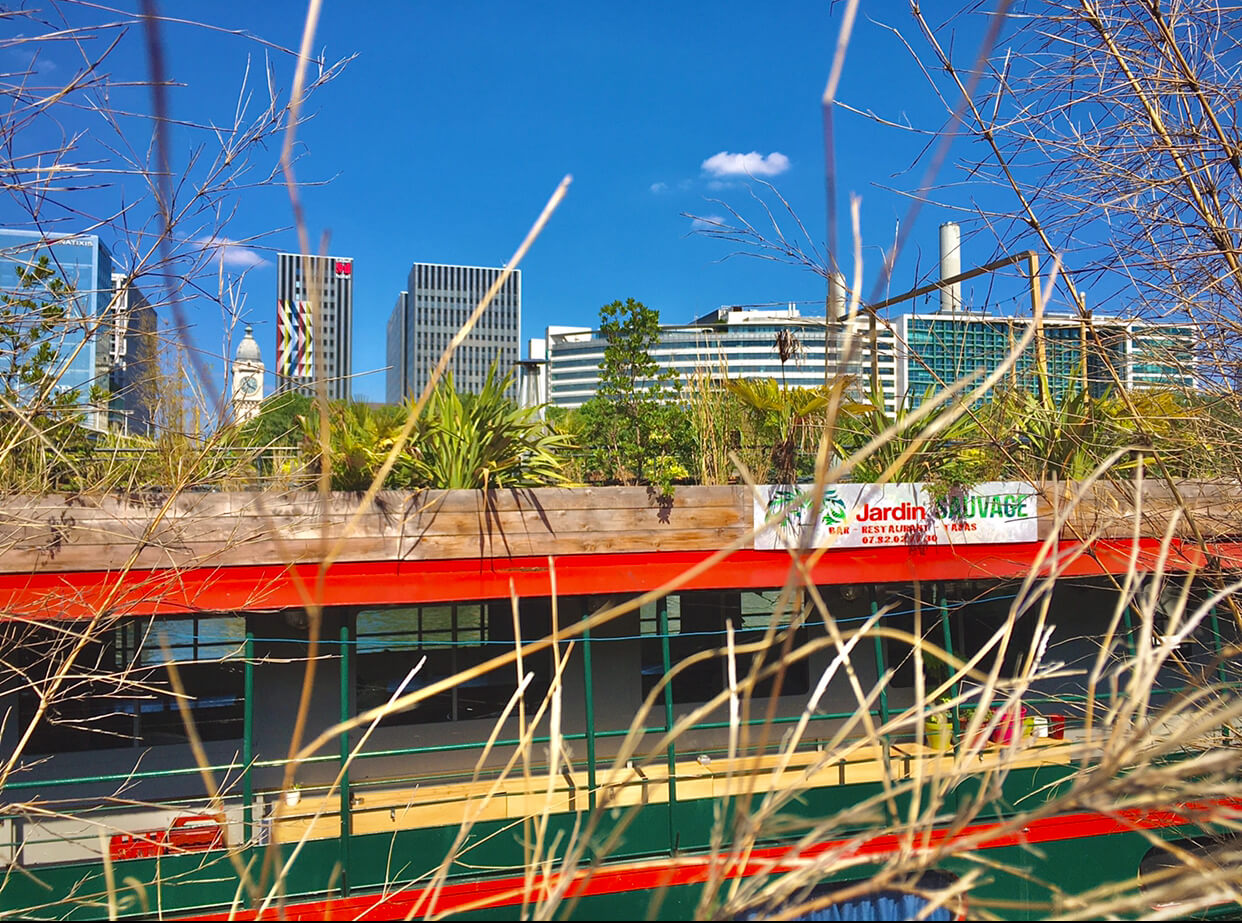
(657,874)
(379,583)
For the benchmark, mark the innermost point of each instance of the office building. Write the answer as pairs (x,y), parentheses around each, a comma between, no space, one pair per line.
(939,349)
(314,323)
(914,353)
(397,383)
(437,301)
(129,330)
(93,348)
(733,341)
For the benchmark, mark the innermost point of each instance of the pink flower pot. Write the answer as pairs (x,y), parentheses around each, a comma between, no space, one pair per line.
(1009,728)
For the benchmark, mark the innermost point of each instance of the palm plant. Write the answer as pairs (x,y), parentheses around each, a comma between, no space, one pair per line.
(483,440)
(1068,437)
(783,417)
(461,441)
(360,437)
(933,446)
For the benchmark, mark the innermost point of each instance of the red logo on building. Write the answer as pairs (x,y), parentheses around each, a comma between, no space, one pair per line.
(344,269)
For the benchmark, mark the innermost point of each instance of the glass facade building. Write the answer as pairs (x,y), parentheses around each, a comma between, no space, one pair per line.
(85,265)
(937,350)
(314,323)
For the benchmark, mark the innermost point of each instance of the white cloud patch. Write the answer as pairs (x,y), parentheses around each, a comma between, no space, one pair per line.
(233,255)
(752,164)
(708,223)
(29,57)
(658,188)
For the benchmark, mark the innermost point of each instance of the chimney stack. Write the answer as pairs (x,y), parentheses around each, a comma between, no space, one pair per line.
(950,266)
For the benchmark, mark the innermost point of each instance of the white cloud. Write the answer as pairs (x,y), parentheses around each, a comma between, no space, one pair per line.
(657,188)
(752,164)
(232,254)
(708,223)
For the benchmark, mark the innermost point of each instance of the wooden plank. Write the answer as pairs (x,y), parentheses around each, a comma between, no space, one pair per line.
(88,533)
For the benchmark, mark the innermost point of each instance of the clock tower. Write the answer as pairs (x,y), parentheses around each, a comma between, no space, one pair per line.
(247,378)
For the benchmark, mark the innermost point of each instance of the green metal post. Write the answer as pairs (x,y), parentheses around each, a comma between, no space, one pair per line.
(587,676)
(248,741)
(1221,673)
(879,674)
(879,668)
(346,820)
(1129,623)
(667,657)
(947,630)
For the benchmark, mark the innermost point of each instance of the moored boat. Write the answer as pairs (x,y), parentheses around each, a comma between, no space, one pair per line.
(607,704)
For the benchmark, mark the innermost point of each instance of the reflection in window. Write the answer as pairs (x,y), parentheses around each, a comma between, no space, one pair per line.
(454,638)
(117,692)
(697,623)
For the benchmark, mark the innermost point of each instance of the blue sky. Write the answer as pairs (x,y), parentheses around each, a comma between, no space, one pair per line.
(444,136)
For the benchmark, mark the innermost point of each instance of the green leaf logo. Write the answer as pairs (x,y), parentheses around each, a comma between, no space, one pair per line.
(834,508)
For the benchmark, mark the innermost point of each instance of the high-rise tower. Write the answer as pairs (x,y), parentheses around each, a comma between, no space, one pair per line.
(314,323)
(437,301)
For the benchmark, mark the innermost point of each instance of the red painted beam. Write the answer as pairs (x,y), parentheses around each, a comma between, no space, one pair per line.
(382,583)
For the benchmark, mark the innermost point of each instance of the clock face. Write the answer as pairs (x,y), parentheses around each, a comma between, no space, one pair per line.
(249,384)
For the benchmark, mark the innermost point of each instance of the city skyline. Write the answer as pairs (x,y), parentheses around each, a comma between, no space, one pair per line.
(647,146)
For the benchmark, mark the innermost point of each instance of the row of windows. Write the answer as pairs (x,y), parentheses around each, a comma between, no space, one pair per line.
(121,695)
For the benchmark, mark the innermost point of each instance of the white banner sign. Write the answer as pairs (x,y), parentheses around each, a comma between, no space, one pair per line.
(862,515)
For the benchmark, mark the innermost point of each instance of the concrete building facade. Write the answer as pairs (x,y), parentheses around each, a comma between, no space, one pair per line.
(437,301)
(397,384)
(737,342)
(915,354)
(130,332)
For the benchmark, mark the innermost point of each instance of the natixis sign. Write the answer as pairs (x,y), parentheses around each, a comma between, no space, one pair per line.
(862,515)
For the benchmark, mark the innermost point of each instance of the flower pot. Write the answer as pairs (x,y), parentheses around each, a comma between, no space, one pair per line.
(1009,727)
(938,730)
(292,797)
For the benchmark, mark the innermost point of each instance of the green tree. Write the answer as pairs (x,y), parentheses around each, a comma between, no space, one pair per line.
(32,319)
(41,437)
(277,425)
(635,428)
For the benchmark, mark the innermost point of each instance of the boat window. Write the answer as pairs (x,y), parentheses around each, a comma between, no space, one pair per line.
(697,623)
(455,639)
(117,693)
